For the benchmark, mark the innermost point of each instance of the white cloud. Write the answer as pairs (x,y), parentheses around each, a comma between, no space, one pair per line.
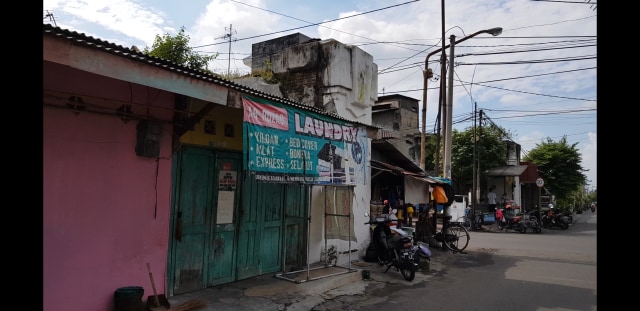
(399,37)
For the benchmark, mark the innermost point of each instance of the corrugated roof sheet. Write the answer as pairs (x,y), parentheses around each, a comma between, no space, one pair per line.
(510,170)
(400,171)
(112,48)
(393,155)
(530,174)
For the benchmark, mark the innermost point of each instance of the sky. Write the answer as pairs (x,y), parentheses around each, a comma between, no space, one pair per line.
(537,79)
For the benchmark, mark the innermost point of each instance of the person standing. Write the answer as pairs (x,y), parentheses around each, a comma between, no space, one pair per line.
(503,200)
(499,218)
(491,199)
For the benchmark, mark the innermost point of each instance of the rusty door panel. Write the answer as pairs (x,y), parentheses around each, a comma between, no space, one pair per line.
(295,206)
(222,254)
(260,232)
(191,220)
(222,246)
(202,252)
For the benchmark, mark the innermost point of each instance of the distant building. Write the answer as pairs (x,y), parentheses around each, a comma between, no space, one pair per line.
(398,116)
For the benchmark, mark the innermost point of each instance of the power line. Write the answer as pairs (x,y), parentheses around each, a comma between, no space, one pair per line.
(498,80)
(538,94)
(314,24)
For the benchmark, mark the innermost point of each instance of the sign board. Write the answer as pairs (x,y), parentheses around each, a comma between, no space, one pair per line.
(539,182)
(286,144)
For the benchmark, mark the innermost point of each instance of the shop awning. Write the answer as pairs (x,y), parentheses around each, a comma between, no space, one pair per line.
(509,170)
(375,164)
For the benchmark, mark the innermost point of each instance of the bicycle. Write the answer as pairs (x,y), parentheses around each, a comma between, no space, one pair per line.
(465,220)
(453,235)
(469,222)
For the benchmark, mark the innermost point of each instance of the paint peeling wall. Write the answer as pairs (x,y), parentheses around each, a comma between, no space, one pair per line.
(329,75)
(337,78)
(105,209)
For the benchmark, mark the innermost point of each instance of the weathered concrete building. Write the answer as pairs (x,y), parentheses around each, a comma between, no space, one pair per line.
(338,79)
(398,116)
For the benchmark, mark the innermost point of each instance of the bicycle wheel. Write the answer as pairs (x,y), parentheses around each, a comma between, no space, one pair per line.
(456,237)
(465,222)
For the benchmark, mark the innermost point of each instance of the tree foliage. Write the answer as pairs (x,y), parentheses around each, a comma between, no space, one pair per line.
(429,152)
(491,152)
(559,164)
(176,49)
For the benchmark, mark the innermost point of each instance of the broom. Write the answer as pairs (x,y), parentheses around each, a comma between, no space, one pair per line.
(190,305)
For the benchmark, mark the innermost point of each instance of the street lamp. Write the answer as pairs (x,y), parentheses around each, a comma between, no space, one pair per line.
(449,108)
(427,75)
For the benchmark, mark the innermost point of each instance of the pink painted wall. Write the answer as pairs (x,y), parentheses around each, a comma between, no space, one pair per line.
(99,228)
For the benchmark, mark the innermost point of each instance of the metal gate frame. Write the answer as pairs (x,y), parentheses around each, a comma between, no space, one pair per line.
(291,275)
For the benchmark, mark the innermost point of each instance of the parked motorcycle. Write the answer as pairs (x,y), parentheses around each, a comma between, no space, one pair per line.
(558,220)
(532,221)
(513,222)
(569,216)
(395,250)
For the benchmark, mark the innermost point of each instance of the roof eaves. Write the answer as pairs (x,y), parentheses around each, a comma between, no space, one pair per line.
(112,48)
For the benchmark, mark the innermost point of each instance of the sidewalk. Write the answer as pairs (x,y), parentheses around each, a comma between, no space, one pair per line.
(268,292)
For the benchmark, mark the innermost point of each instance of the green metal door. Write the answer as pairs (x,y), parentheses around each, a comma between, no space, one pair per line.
(260,232)
(191,218)
(267,208)
(226,204)
(295,218)
(202,235)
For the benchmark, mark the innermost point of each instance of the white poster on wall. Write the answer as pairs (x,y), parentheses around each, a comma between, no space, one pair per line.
(225,207)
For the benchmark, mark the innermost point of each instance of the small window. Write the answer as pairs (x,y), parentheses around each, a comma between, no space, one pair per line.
(210,127)
(229,130)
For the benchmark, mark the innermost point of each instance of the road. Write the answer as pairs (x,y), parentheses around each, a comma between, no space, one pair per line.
(553,270)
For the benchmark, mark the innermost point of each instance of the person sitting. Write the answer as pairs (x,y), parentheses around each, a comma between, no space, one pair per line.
(499,216)
(386,209)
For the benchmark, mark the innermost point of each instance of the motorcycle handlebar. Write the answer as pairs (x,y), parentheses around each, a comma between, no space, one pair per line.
(374,222)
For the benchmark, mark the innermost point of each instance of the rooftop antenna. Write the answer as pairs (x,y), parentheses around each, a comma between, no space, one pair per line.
(51,17)
(228,35)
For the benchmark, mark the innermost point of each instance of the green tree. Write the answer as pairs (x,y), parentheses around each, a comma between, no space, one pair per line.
(176,49)
(491,152)
(559,164)
(429,152)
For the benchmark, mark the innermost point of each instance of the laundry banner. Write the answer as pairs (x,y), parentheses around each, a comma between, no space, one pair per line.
(287,144)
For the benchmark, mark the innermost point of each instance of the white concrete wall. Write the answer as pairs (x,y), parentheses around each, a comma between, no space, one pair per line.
(350,84)
(360,205)
(350,80)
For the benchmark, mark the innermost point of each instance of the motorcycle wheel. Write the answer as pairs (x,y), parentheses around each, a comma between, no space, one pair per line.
(522,229)
(564,225)
(371,255)
(408,272)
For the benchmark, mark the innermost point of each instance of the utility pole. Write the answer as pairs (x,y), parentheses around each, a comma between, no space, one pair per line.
(474,170)
(443,86)
(449,114)
(478,156)
(228,35)
(423,135)
(441,103)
